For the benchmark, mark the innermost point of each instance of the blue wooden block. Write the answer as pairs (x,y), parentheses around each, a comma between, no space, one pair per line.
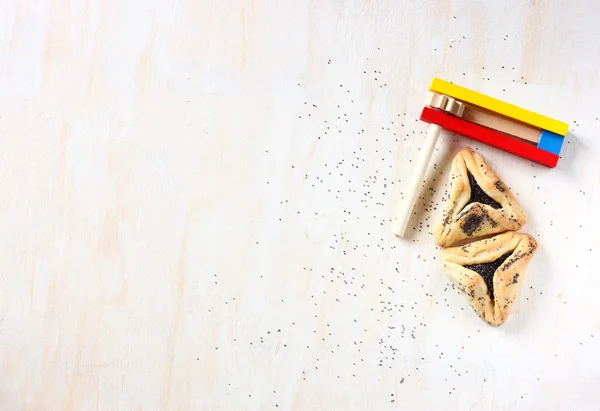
(550,142)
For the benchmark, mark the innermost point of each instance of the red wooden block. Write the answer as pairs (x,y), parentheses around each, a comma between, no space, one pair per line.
(488,136)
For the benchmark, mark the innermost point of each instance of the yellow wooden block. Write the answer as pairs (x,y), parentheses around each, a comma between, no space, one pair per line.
(497,106)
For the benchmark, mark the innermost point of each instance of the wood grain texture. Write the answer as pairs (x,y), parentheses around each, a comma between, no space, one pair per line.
(502,124)
(488,136)
(196,199)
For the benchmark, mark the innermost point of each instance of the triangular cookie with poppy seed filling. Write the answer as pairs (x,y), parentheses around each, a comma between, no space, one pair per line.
(479,203)
(489,272)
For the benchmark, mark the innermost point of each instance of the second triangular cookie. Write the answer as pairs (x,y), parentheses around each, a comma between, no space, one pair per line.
(489,272)
(479,203)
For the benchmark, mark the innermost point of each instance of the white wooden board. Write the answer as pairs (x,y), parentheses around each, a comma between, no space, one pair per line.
(196,202)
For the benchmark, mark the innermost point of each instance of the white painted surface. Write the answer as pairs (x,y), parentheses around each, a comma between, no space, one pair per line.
(180,231)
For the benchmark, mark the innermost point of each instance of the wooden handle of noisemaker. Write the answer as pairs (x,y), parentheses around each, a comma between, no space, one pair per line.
(451,106)
(418,175)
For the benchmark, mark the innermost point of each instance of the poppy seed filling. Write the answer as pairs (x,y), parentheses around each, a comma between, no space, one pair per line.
(487,270)
(480,196)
